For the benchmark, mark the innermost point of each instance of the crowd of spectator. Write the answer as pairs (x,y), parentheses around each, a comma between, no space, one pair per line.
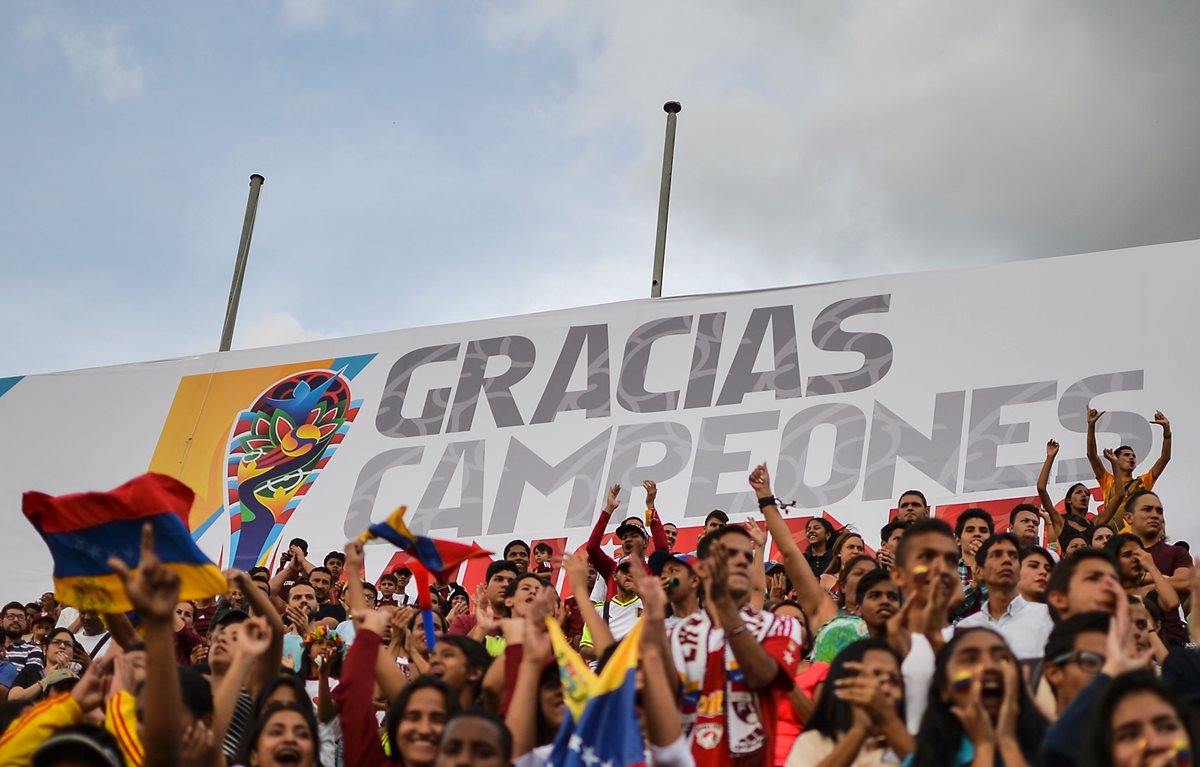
(1056,636)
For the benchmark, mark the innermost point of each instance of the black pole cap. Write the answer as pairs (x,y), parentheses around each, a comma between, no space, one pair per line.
(672,107)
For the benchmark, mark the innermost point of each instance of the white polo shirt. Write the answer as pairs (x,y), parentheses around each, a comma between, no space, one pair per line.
(1024,625)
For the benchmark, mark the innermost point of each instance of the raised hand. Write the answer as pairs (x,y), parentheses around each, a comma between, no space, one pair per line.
(354,558)
(1010,704)
(760,481)
(1111,457)
(199,654)
(254,637)
(485,616)
(576,568)
(650,590)
(716,580)
(651,492)
(613,500)
(757,534)
(198,746)
(973,716)
(1161,420)
(375,621)
(1093,415)
(90,690)
(298,618)
(1051,449)
(153,590)
(1120,648)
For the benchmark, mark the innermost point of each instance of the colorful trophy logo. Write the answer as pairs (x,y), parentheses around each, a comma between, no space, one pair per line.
(277,449)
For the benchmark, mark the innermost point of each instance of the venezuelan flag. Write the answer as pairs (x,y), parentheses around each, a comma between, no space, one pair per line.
(433,557)
(440,558)
(85,529)
(600,725)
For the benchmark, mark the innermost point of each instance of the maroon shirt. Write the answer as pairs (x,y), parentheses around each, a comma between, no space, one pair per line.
(1167,558)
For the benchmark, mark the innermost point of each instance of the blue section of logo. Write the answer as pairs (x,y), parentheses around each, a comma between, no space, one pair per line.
(8,383)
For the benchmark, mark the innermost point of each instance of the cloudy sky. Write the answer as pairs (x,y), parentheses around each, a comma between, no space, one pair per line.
(434,162)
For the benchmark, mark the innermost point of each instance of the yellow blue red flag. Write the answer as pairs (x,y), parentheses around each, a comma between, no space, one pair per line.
(84,529)
(600,725)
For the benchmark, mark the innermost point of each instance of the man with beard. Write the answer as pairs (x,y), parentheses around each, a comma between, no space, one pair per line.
(1024,625)
(1145,514)
(322,580)
(819,532)
(912,506)
(18,651)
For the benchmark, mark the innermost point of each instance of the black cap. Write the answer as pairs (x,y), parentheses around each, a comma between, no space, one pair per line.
(85,744)
(631,528)
(230,615)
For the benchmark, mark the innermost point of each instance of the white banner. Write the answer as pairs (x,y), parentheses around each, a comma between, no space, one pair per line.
(948,382)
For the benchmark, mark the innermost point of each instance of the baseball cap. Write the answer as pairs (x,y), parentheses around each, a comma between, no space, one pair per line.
(660,558)
(630,528)
(44,618)
(82,744)
(772,566)
(228,615)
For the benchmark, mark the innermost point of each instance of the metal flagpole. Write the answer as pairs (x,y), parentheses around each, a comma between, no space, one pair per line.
(672,108)
(239,268)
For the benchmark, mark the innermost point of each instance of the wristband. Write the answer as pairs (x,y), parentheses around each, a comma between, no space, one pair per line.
(765,502)
(1166,436)
(734,632)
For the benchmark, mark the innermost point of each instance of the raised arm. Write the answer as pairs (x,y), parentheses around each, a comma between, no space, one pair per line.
(1043,483)
(521,716)
(267,667)
(154,591)
(1114,496)
(1093,455)
(1164,456)
(758,572)
(576,569)
(603,563)
(121,630)
(658,536)
(815,601)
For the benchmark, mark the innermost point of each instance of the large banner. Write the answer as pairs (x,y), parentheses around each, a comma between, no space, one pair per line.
(948,382)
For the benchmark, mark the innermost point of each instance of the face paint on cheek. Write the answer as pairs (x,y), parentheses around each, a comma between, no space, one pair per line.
(962,681)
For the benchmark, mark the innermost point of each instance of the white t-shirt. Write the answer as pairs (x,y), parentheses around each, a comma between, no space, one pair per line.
(917,670)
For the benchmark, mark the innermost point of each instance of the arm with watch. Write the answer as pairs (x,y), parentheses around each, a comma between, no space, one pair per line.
(758,667)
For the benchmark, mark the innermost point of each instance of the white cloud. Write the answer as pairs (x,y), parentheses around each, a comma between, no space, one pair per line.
(822,141)
(349,15)
(274,329)
(101,59)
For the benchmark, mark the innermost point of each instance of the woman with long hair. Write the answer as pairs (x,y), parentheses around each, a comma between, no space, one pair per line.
(858,715)
(1137,722)
(979,711)
(1138,574)
(848,545)
(284,734)
(289,689)
(60,670)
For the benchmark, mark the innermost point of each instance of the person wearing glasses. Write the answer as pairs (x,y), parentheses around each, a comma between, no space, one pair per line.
(18,651)
(1074,655)
(61,670)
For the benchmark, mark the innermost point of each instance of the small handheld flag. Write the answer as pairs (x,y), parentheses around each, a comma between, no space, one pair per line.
(600,724)
(84,530)
(433,557)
